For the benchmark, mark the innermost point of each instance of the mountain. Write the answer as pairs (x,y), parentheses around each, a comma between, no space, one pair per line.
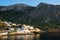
(15,13)
(16,7)
(43,15)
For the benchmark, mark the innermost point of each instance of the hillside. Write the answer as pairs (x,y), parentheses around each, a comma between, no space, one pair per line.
(15,13)
(44,15)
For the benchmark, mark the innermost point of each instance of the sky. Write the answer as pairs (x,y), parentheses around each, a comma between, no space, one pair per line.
(28,2)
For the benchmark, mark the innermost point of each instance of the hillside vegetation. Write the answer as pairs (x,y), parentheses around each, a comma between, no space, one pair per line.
(44,16)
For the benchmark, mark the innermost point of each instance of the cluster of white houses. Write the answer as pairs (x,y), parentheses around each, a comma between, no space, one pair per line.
(17,29)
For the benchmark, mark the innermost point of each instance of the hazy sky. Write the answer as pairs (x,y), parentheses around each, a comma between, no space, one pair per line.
(29,2)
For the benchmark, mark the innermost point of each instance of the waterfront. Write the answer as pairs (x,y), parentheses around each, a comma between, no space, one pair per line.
(21,37)
(42,36)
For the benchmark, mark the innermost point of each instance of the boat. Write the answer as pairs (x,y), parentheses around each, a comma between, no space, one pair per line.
(24,32)
(3,33)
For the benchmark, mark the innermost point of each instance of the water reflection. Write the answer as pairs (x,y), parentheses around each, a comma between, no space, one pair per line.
(21,37)
(42,36)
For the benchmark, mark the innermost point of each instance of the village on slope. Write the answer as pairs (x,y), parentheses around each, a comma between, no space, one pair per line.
(13,28)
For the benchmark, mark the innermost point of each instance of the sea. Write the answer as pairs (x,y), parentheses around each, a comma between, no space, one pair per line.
(41,36)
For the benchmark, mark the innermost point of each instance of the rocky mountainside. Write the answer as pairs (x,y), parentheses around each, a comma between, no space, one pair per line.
(42,15)
(45,14)
(16,7)
(15,13)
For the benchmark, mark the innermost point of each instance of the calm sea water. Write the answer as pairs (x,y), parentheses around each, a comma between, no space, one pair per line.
(42,36)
